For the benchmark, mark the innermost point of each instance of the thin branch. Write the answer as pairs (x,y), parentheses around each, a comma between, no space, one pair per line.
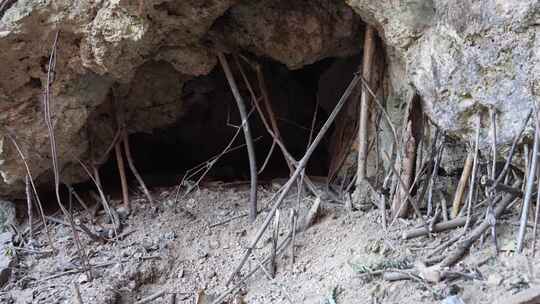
(369,54)
(247,135)
(473,173)
(34,189)
(122,174)
(508,162)
(536,213)
(460,191)
(408,195)
(529,187)
(51,75)
(133,168)
(272,130)
(475,234)
(493,142)
(29,206)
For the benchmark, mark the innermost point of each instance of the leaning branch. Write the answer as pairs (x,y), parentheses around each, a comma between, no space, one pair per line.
(247,133)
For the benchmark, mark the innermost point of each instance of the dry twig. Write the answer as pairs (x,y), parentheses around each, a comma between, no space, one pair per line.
(529,187)
(457,222)
(247,135)
(122,173)
(475,234)
(151,298)
(460,191)
(29,206)
(472,183)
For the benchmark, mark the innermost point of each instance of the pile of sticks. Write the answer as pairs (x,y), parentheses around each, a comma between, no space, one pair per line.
(481,197)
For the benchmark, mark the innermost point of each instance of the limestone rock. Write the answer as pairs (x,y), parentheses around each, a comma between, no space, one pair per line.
(7,259)
(143,58)
(296,33)
(7,215)
(462,57)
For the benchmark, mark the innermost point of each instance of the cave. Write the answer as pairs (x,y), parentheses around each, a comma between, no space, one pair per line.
(299,99)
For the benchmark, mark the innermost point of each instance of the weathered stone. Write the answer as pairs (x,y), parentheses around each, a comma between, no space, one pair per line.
(145,59)
(296,33)
(462,57)
(7,259)
(7,215)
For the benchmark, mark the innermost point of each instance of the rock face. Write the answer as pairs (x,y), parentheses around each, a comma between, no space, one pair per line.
(463,58)
(142,58)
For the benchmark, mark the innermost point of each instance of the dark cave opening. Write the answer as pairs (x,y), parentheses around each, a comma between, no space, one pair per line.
(210,120)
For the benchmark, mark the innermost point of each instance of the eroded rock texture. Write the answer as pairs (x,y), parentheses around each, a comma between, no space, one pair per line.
(463,57)
(140,59)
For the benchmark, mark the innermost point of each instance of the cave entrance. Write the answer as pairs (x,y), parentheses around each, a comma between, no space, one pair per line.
(210,120)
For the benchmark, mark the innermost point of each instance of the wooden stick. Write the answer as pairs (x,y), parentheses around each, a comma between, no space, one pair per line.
(273,250)
(29,206)
(77,294)
(434,171)
(464,245)
(299,168)
(460,190)
(527,162)
(247,134)
(97,182)
(293,234)
(508,162)
(447,225)
(369,53)
(281,247)
(122,174)
(51,75)
(408,195)
(408,163)
(472,183)
(133,168)
(151,298)
(34,189)
(529,188)
(493,142)
(105,155)
(273,130)
(536,214)
(382,207)
(443,206)
(172,298)
(485,181)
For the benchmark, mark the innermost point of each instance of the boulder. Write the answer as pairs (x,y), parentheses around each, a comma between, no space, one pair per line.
(462,57)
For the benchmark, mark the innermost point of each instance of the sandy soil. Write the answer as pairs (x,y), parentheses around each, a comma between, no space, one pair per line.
(176,250)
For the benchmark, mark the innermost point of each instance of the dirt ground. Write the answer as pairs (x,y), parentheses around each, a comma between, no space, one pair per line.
(176,249)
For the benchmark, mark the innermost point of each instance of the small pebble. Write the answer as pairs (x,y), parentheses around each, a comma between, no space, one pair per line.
(211,275)
(123,212)
(132,285)
(494,279)
(83,278)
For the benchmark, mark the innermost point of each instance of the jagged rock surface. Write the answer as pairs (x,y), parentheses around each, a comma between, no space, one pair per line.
(463,57)
(143,56)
